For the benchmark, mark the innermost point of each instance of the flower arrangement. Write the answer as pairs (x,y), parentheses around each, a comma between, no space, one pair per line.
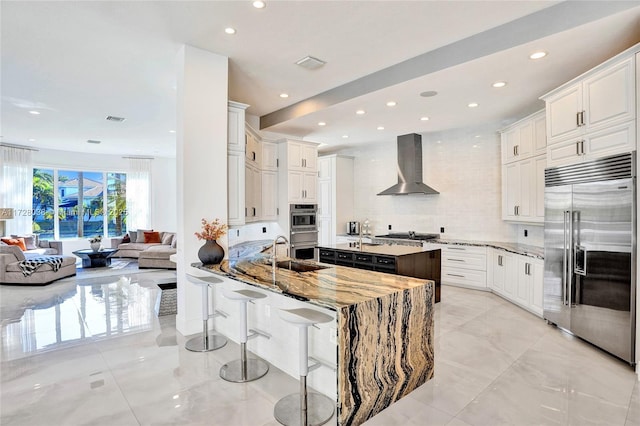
(211,231)
(97,239)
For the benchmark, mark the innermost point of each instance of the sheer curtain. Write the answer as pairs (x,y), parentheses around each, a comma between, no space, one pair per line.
(16,188)
(139,194)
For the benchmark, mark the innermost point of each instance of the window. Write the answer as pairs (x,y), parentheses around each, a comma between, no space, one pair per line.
(79,197)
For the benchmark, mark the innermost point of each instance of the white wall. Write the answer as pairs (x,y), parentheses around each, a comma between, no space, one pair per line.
(164,211)
(465,169)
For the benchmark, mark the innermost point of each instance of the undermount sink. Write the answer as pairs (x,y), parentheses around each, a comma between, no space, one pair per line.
(298,266)
(371,244)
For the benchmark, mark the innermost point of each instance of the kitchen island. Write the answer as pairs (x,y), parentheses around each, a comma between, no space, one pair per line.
(413,262)
(384,326)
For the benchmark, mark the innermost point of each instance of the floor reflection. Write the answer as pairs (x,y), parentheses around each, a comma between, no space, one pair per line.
(69,311)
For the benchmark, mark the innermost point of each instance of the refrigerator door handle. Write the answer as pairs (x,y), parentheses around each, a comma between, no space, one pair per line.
(580,267)
(564,258)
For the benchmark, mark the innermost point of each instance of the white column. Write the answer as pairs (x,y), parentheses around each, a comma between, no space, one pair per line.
(201,158)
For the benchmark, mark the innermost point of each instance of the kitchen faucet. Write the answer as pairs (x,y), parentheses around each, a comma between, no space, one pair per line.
(274,256)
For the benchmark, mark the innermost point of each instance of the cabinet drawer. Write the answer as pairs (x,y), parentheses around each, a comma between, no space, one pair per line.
(465,257)
(326,256)
(385,262)
(363,258)
(341,256)
(464,277)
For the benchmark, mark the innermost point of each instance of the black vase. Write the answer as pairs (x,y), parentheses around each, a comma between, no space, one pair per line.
(211,253)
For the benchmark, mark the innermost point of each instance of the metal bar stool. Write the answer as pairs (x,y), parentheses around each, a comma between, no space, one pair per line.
(302,408)
(244,369)
(206,342)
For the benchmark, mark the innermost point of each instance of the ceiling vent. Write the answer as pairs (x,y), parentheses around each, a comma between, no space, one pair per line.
(93,141)
(114,118)
(310,63)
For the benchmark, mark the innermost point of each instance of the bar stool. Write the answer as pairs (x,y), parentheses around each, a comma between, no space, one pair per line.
(244,369)
(206,342)
(300,408)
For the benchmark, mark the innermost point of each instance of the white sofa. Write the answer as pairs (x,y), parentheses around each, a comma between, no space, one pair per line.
(11,273)
(149,255)
(40,247)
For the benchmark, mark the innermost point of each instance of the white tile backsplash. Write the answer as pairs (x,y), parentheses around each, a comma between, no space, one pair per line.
(464,165)
(253,231)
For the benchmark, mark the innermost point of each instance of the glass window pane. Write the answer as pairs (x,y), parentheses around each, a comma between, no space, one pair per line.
(117,203)
(93,206)
(68,182)
(43,203)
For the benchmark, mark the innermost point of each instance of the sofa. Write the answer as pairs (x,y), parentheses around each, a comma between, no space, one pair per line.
(152,251)
(11,273)
(34,245)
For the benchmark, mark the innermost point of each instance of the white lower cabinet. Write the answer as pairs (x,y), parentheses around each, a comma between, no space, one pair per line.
(518,279)
(464,266)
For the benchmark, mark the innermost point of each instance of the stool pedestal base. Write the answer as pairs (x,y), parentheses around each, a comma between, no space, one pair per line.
(213,342)
(319,410)
(244,369)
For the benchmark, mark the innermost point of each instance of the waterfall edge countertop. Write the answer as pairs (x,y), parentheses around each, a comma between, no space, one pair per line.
(331,287)
(384,323)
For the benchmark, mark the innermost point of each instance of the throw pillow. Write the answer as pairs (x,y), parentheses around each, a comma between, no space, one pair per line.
(16,242)
(174,243)
(30,242)
(2,243)
(140,237)
(133,237)
(152,237)
(126,239)
(14,250)
(167,238)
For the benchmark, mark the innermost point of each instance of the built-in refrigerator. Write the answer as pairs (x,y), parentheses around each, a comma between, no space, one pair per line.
(590,251)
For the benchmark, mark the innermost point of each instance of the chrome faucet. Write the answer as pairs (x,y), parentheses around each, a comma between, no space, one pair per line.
(360,241)
(274,260)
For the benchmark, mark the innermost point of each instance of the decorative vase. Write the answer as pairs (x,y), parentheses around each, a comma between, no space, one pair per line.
(211,253)
(95,246)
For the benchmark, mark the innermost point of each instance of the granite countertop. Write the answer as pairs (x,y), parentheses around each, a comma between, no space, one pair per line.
(383,249)
(331,287)
(523,249)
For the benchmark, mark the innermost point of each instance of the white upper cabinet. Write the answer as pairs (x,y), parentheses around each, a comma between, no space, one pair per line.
(298,167)
(236,163)
(594,115)
(269,155)
(523,139)
(253,147)
(302,156)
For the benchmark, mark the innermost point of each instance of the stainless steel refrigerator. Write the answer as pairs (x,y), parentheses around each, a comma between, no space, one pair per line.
(590,251)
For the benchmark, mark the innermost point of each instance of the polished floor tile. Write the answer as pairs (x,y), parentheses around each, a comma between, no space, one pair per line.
(90,350)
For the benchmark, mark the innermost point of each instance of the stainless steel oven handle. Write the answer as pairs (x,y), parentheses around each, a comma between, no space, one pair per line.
(304,232)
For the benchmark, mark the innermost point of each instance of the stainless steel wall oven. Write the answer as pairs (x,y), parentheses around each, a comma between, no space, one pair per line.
(304,230)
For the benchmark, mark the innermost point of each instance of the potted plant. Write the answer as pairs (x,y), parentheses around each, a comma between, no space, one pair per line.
(211,253)
(96,243)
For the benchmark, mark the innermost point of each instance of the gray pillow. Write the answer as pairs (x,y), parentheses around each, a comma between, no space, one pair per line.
(174,243)
(14,250)
(167,238)
(133,236)
(30,241)
(140,236)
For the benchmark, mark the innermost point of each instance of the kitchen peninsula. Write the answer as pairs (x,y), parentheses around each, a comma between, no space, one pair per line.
(384,323)
(413,262)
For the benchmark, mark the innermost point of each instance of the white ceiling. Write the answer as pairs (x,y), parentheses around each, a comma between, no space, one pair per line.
(77,62)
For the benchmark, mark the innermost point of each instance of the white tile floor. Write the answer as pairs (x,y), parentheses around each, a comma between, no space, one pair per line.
(93,352)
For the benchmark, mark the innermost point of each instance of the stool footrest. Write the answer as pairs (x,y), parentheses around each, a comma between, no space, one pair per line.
(219,313)
(317,363)
(255,333)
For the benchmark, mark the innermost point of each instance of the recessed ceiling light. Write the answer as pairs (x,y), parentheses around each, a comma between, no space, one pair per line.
(322,123)
(472,105)
(498,84)
(538,55)
(424,118)
(391,104)
(93,141)
(438,141)
(360,112)
(230,30)
(259,4)
(475,146)
(172,131)
(32,140)
(380,128)
(345,136)
(34,112)
(284,95)
(428,94)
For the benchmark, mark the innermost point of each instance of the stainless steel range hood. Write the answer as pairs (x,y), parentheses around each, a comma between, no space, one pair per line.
(409,168)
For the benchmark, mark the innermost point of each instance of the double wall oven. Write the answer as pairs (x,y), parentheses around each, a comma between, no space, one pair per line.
(304,230)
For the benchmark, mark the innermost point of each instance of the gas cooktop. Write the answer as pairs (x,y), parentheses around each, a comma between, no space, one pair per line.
(409,236)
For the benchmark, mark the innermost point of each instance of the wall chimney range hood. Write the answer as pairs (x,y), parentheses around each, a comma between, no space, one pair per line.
(409,168)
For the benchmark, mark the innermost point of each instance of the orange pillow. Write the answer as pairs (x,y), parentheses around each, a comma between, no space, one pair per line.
(152,237)
(15,242)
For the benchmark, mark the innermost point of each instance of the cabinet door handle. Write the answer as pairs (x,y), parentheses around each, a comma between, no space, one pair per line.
(514,151)
(456,275)
(582,147)
(517,153)
(499,260)
(253,154)
(578,148)
(582,118)
(254,211)
(456,260)
(577,119)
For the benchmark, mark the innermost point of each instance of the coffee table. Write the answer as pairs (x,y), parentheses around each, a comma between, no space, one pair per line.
(94,259)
